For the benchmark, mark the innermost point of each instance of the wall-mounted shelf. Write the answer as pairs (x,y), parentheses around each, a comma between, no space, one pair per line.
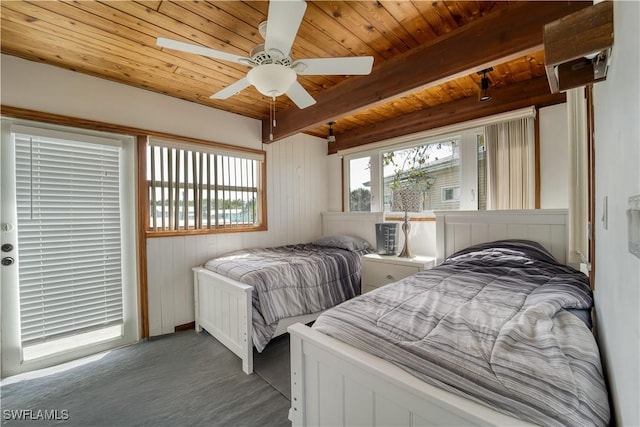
(577,48)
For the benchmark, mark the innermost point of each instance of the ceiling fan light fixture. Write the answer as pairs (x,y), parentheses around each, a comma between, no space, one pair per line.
(272,79)
(485,86)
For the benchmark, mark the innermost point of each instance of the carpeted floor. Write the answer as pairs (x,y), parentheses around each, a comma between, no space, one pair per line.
(183,379)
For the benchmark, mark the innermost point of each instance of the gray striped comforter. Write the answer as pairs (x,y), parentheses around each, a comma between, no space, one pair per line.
(291,281)
(494,323)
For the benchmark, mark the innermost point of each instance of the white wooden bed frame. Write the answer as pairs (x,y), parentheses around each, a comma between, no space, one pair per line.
(333,383)
(223,305)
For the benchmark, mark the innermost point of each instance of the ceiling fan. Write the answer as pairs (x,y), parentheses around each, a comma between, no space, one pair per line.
(273,71)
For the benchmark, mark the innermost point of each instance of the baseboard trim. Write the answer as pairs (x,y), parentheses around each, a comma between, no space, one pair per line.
(185,327)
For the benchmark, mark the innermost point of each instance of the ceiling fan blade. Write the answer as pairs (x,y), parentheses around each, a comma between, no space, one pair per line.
(232,89)
(300,96)
(283,22)
(333,66)
(199,50)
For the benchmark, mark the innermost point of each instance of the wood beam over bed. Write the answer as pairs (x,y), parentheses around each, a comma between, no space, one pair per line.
(496,38)
(509,98)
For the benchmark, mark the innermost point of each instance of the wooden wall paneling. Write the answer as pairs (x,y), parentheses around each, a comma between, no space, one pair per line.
(167,289)
(180,265)
(278,207)
(201,248)
(299,202)
(288,176)
(154,287)
(277,217)
(311,179)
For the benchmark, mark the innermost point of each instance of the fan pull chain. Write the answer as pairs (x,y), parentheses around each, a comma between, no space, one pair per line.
(272,116)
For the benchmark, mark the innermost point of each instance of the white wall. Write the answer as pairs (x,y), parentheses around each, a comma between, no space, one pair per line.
(41,87)
(296,195)
(296,170)
(617,275)
(554,151)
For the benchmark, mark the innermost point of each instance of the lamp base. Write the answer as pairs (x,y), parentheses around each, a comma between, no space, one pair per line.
(406,253)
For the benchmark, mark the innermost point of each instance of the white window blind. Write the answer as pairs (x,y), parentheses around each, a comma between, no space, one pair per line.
(69,237)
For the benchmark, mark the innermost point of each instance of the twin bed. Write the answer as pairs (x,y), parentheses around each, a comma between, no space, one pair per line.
(498,334)
(246,298)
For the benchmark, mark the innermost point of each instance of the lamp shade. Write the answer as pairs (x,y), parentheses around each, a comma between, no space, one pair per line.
(408,200)
(272,79)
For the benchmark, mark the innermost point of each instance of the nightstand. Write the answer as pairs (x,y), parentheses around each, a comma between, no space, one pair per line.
(379,270)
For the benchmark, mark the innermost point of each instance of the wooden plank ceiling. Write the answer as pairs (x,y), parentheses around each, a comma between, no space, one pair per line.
(426,56)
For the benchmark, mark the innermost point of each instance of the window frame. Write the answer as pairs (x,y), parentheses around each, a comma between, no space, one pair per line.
(201,146)
(375,189)
(466,138)
(443,190)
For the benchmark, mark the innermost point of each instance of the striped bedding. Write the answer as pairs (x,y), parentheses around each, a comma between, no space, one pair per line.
(291,281)
(495,324)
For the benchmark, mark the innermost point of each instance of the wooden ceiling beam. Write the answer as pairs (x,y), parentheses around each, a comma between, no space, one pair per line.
(519,95)
(497,38)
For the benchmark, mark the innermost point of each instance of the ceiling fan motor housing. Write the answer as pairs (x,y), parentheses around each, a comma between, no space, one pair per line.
(260,56)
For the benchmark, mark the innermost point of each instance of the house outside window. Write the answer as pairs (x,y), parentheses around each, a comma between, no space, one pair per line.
(448,161)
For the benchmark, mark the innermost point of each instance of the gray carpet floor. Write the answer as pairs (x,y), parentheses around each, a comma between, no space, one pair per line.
(274,364)
(182,379)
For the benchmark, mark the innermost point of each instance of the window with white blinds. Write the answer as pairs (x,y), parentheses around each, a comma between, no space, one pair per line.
(199,187)
(69,236)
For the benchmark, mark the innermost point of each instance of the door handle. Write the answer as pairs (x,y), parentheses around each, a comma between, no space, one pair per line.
(7,260)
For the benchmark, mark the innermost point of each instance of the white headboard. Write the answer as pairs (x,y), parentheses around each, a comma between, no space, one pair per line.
(456,230)
(359,224)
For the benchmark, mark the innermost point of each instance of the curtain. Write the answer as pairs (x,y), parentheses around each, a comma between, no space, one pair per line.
(578,176)
(510,170)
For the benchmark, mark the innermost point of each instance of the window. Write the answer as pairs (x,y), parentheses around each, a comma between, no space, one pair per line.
(429,167)
(360,184)
(429,164)
(450,194)
(201,187)
(471,168)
